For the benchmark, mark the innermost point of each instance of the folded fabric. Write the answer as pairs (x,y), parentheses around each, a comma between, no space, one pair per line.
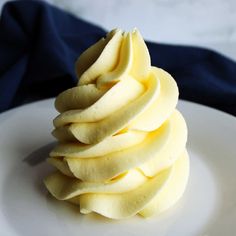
(40,43)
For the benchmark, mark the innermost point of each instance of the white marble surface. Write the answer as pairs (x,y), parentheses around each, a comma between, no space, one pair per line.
(208,23)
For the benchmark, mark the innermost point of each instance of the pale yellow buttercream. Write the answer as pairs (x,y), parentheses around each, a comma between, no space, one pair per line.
(121,147)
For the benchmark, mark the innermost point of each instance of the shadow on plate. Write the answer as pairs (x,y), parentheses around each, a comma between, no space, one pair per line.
(40,155)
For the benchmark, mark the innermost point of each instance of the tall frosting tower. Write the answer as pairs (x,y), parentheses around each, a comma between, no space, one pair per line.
(121,141)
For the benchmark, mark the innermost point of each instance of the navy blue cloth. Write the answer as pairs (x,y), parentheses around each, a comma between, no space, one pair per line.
(40,43)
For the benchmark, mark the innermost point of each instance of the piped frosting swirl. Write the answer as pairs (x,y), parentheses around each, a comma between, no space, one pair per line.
(121,147)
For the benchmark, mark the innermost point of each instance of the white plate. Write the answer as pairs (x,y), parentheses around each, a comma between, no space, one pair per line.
(208,206)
